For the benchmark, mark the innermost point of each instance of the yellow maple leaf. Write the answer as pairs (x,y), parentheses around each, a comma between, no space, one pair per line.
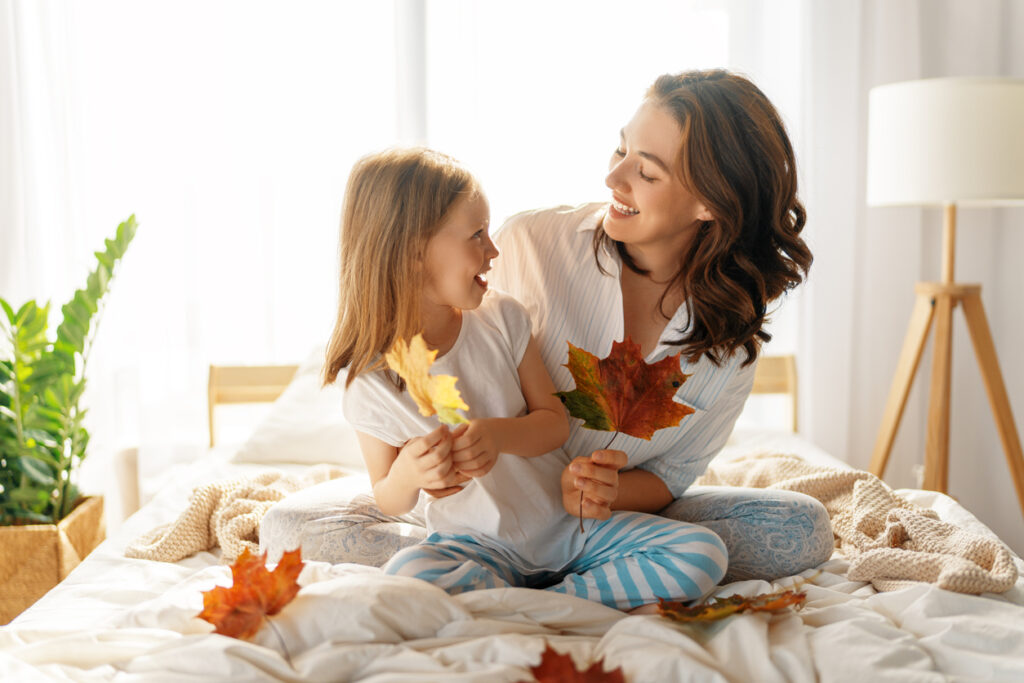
(434,394)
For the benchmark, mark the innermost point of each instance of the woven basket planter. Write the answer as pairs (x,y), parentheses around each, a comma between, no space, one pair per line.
(36,557)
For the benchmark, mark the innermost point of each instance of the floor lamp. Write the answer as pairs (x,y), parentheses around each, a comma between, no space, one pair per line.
(947,142)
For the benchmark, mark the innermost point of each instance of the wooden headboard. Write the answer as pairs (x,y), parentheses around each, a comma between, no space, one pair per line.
(245,384)
(777,375)
(264,383)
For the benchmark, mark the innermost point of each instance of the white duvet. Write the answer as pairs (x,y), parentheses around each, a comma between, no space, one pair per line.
(126,620)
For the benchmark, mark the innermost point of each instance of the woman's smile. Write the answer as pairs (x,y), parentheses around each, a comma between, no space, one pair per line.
(623,210)
(650,207)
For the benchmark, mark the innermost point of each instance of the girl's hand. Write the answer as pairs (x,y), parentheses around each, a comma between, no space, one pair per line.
(426,461)
(474,450)
(451,490)
(597,476)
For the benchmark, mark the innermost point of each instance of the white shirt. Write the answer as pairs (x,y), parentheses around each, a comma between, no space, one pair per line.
(547,263)
(516,508)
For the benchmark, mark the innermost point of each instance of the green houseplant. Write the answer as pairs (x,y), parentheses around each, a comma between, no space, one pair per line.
(42,438)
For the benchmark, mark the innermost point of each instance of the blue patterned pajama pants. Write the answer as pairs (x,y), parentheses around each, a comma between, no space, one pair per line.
(628,560)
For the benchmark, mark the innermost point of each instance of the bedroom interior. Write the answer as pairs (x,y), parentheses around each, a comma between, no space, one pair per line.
(949,142)
(233,155)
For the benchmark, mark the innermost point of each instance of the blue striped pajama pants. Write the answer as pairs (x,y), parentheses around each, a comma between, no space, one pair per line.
(628,560)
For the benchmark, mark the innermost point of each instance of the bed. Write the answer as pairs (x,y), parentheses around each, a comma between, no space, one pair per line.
(131,619)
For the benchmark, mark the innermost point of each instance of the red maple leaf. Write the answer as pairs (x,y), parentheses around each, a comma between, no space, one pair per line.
(622,393)
(556,668)
(255,593)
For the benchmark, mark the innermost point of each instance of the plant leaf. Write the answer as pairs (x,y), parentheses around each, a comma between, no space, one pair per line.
(33,469)
(623,393)
(433,394)
(723,607)
(558,668)
(255,593)
(79,311)
(8,311)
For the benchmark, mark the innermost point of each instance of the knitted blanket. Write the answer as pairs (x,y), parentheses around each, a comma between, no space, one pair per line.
(225,513)
(889,541)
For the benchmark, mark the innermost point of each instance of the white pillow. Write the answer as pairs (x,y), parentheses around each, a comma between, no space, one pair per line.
(305,425)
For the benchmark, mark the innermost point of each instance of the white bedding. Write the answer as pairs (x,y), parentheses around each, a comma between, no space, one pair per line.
(124,619)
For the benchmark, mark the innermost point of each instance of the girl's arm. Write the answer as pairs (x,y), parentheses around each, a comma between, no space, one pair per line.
(397,475)
(544,427)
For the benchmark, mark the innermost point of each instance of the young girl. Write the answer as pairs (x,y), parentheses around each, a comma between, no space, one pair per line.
(415,250)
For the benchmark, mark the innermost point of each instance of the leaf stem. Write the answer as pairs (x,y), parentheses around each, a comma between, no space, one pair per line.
(582,530)
(277,633)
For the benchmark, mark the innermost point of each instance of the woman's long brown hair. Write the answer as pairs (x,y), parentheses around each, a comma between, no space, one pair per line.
(395,201)
(737,159)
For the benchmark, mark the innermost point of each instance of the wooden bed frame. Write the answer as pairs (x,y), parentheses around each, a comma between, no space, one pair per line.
(264,383)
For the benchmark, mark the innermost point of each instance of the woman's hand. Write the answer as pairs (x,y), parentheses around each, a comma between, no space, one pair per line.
(474,448)
(426,461)
(597,476)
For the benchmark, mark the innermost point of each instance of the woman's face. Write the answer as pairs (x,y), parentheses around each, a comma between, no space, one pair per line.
(650,207)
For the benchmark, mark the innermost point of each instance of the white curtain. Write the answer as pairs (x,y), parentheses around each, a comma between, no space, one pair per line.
(37,239)
(858,302)
(228,128)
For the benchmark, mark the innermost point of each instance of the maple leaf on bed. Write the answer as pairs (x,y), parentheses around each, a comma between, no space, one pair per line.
(255,593)
(433,394)
(557,668)
(723,607)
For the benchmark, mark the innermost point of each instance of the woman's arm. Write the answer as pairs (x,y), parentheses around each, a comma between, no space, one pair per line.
(641,491)
(543,428)
(605,488)
(648,488)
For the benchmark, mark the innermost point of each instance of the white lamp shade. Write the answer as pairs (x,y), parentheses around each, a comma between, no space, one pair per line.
(946,141)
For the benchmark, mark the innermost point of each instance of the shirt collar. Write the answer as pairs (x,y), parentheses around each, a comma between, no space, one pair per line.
(591,221)
(609,257)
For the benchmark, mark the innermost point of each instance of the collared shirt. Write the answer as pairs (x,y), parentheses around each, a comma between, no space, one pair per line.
(547,263)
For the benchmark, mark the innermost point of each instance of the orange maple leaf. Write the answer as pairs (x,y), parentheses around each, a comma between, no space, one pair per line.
(255,593)
(556,668)
(723,607)
(623,393)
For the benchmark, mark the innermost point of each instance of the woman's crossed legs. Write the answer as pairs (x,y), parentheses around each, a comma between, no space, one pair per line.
(769,533)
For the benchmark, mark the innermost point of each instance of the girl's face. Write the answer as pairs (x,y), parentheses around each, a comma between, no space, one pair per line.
(459,255)
(650,207)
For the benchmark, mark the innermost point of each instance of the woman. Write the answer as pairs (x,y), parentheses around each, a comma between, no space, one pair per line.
(702,233)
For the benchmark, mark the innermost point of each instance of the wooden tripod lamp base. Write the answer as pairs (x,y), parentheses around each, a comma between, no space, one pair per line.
(935,303)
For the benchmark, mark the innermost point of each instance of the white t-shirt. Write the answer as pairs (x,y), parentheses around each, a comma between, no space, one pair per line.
(516,508)
(547,263)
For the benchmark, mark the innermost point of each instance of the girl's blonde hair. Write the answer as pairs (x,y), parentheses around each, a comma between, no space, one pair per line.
(395,201)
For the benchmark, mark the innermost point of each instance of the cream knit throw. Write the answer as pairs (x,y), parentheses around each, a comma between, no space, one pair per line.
(225,513)
(889,541)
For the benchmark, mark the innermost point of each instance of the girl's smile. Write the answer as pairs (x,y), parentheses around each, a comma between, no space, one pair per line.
(458,257)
